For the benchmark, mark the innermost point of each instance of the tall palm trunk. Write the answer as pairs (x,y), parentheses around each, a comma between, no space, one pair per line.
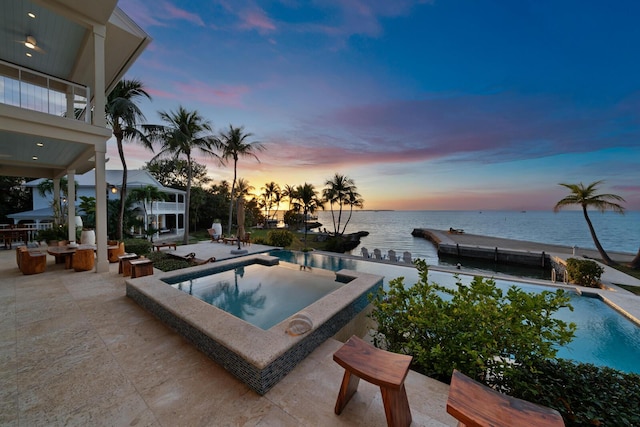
(123,188)
(233,189)
(605,257)
(187,201)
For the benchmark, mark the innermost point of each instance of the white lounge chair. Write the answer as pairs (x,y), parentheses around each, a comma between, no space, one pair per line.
(406,257)
(365,253)
(392,256)
(377,254)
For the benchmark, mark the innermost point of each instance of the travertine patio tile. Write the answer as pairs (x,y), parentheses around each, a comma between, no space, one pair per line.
(74,350)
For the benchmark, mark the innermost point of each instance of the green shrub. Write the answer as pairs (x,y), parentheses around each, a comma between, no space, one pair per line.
(259,241)
(280,238)
(584,272)
(138,246)
(477,329)
(53,233)
(583,393)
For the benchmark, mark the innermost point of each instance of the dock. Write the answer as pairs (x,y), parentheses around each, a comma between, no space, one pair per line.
(507,251)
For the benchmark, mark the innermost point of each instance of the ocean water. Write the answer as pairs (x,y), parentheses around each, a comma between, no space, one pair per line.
(392,229)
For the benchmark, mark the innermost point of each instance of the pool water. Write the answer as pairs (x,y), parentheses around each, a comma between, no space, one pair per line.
(603,336)
(259,294)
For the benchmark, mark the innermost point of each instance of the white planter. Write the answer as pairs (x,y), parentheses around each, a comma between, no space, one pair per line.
(88,237)
(217,228)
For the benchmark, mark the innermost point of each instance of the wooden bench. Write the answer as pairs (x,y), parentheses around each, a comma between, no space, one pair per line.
(475,405)
(382,368)
(141,267)
(124,267)
(158,246)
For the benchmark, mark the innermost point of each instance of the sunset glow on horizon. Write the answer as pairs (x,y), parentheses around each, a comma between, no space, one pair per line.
(426,105)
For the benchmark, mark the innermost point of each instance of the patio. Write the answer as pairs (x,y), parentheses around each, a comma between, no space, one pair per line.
(76,351)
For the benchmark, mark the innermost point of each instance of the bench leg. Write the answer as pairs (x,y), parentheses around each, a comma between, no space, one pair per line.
(396,406)
(347,389)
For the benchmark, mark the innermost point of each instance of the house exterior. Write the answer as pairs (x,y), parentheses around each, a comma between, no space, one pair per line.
(58,61)
(167,216)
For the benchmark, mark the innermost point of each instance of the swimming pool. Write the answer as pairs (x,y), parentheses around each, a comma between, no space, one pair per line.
(603,336)
(263,295)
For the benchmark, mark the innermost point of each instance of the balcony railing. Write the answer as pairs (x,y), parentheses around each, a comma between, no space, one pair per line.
(32,90)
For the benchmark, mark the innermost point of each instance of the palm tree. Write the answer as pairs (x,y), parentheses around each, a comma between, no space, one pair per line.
(185,132)
(150,194)
(289,191)
(123,116)
(234,145)
(307,199)
(354,200)
(586,197)
(271,196)
(337,191)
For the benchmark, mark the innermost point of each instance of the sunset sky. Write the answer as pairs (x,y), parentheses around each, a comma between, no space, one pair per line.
(442,104)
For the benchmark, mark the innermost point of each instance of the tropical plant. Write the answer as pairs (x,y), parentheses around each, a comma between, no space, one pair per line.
(123,116)
(88,206)
(342,191)
(144,195)
(58,204)
(184,133)
(234,145)
(307,201)
(586,197)
(478,328)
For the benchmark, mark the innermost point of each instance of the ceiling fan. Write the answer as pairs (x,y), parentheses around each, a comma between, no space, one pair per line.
(30,43)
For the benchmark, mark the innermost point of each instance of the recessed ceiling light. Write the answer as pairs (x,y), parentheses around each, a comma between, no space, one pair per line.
(35,157)
(40,144)
(31,15)
(29,55)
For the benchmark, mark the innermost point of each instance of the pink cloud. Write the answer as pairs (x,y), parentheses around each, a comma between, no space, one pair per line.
(159,15)
(256,19)
(226,95)
(181,14)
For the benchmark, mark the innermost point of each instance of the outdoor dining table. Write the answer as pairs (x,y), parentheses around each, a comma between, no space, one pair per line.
(64,254)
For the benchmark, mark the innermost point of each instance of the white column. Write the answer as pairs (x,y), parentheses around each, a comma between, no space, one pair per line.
(71,204)
(102,261)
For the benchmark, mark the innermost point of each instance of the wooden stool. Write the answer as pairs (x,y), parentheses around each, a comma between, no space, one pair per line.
(124,267)
(141,267)
(475,405)
(382,368)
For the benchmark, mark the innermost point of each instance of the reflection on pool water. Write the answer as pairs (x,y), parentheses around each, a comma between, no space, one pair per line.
(603,336)
(259,294)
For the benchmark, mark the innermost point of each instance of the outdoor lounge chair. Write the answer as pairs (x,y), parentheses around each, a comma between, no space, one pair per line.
(31,262)
(377,254)
(406,257)
(247,239)
(392,255)
(365,253)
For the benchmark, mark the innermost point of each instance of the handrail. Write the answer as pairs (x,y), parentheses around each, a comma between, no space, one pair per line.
(41,92)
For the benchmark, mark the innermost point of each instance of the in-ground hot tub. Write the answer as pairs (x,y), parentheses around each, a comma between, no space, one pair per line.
(258,357)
